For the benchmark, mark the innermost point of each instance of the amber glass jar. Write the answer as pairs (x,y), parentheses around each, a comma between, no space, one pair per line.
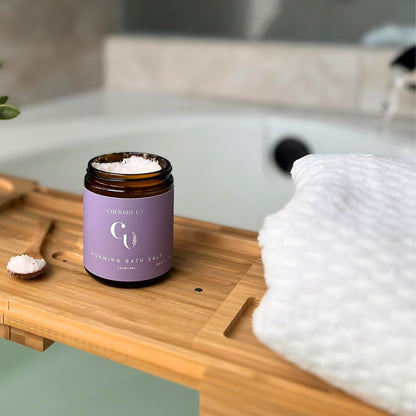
(128,222)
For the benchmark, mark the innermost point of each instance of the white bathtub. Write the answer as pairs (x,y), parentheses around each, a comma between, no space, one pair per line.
(223,172)
(220,152)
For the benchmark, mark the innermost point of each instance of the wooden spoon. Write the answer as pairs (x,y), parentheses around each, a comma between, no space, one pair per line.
(35,261)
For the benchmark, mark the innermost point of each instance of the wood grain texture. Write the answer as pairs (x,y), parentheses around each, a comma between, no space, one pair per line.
(28,339)
(234,392)
(5,331)
(202,339)
(12,188)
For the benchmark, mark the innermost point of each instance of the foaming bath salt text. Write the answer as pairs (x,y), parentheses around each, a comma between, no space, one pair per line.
(25,264)
(130,165)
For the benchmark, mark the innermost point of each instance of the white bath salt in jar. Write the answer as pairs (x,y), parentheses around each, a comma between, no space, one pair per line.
(128,219)
(133,164)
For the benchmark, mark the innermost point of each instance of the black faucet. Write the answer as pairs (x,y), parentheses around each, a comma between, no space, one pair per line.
(406,61)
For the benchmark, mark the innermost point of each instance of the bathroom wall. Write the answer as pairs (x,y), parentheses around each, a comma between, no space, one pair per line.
(51,48)
(319,77)
(318,21)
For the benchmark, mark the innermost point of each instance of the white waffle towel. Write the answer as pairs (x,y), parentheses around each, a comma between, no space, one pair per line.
(340,267)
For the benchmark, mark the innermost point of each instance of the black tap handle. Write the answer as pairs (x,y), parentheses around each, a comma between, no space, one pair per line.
(288,151)
(407,59)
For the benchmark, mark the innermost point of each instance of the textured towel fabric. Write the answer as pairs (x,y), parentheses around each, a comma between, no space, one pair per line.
(340,266)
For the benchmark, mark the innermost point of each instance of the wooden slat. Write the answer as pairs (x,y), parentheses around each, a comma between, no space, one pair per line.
(135,350)
(29,340)
(5,331)
(242,392)
(12,188)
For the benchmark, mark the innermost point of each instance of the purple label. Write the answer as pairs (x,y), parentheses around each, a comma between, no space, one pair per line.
(128,239)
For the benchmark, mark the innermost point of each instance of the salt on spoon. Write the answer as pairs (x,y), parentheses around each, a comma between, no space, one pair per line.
(31,264)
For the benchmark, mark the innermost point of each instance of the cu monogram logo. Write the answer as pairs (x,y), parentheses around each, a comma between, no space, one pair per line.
(129,239)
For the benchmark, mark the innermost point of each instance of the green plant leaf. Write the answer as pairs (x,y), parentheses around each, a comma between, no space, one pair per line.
(7,112)
(3,99)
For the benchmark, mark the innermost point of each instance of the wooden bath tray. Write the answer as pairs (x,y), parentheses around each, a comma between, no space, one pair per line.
(202,339)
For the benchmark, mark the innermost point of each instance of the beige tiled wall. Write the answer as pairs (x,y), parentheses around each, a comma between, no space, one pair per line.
(51,48)
(332,78)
